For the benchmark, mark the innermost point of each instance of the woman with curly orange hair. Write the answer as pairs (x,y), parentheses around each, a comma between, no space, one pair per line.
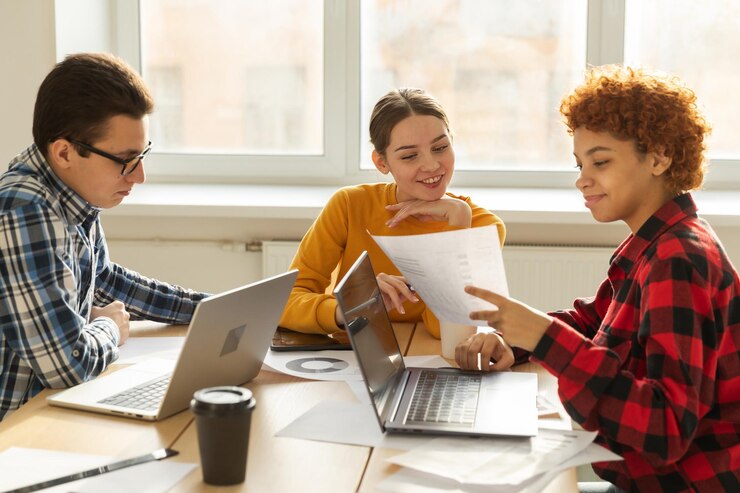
(651,362)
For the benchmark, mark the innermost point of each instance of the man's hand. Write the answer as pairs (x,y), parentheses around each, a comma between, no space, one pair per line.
(117,312)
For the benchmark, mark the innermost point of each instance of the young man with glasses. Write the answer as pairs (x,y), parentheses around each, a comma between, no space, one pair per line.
(64,306)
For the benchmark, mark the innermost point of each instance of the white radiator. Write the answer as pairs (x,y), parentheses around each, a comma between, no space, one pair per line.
(547,277)
(277,256)
(550,277)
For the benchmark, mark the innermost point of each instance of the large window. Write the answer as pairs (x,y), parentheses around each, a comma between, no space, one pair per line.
(498,67)
(281,91)
(235,77)
(699,41)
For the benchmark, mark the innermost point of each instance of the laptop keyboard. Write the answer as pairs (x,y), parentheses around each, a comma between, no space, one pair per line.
(144,397)
(445,398)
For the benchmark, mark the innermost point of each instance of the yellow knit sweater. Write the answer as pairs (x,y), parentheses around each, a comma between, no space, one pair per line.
(337,238)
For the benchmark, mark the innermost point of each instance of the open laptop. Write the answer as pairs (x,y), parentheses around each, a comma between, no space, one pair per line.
(427,400)
(226,342)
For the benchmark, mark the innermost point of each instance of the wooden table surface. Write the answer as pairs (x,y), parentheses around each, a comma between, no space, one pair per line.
(275,464)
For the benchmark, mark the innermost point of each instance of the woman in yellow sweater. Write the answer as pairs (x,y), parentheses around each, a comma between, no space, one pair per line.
(412,141)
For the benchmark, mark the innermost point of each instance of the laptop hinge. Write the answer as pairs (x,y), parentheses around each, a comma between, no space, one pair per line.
(398,396)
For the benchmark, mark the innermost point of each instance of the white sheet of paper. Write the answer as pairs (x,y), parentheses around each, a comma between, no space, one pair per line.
(359,389)
(440,265)
(545,407)
(315,365)
(349,423)
(21,466)
(136,349)
(412,481)
(152,477)
(559,420)
(495,461)
(592,453)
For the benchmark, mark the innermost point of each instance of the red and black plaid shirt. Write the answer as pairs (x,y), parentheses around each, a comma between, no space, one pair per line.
(652,361)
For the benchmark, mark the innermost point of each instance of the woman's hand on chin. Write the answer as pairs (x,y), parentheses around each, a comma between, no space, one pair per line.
(454,211)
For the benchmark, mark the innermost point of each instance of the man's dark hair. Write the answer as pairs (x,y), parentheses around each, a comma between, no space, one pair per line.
(82,93)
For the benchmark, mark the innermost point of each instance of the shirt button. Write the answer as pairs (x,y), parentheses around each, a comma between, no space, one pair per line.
(76,353)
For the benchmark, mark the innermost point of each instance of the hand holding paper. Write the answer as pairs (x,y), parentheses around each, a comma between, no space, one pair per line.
(440,265)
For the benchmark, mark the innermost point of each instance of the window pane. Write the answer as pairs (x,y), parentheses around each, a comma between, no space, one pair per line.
(698,40)
(237,77)
(498,67)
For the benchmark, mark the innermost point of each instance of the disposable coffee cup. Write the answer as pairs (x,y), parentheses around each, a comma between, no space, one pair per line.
(453,334)
(223,416)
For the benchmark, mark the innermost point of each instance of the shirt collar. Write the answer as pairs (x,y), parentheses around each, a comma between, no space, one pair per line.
(32,162)
(671,213)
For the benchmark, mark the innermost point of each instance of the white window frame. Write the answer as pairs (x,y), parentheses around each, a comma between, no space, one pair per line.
(340,163)
(303,169)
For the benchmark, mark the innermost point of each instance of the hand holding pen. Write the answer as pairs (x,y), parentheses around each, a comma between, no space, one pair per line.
(396,291)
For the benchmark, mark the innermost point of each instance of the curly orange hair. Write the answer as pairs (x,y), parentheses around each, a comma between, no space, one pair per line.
(659,113)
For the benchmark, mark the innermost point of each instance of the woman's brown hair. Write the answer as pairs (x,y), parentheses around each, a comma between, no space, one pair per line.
(398,105)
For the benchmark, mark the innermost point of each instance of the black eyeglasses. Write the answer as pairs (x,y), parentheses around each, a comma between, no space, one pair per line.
(127,165)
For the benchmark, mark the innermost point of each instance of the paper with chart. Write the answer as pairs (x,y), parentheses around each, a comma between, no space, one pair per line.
(440,265)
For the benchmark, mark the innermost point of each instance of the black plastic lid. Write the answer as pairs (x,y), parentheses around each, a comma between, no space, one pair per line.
(221,399)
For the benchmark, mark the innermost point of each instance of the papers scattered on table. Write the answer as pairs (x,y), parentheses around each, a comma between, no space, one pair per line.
(494,460)
(452,464)
(501,464)
(440,265)
(411,481)
(23,466)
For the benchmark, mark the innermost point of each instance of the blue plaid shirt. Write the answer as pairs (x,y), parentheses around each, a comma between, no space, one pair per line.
(46,255)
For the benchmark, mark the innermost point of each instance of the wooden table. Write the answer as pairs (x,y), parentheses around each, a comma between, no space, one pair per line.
(275,464)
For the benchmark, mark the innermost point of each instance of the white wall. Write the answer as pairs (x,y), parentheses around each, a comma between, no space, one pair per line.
(27,53)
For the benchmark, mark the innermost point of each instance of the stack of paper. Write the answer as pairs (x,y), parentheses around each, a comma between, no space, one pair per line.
(492,465)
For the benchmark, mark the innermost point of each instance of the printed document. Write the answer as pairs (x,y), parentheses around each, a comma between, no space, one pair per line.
(414,481)
(497,461)
(440,265)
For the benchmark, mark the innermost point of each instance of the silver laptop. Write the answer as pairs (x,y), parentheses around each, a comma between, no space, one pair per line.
(226,342)
(425,400)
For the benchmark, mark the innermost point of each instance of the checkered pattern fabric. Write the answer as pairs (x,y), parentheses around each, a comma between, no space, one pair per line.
(46,270)
(652,361)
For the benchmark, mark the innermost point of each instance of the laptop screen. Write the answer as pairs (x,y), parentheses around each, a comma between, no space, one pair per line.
(370,332)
